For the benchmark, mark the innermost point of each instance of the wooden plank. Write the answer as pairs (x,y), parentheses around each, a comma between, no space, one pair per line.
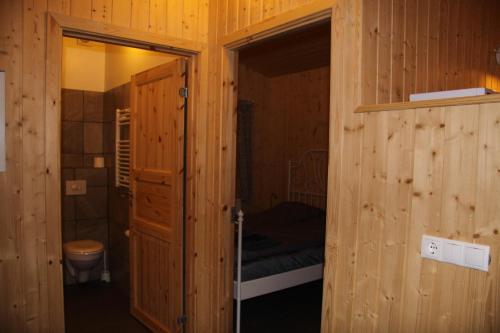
(231,16)
(384,51)
(255,11)
(345,156)
(453,43)
(487,220)
(192,192)
(121,14)
(12,309)
(151,131)
(306,14)
(175,12)
(190,24)
(243,14)
(459,201)
(203,21)
(491,37)
(33,192)
(53,177)
(397,49)
(433,69)
(126,34)
(371,220)
(410,51)
(422,46)
(81,8)
(464,20)
(469,23)
(270,8)
(204,280)
(444,16)
(476,41)
(153,202)
(492,98)
(158,16)
(370,60)
(140,15)
(59,6)
(425,213)
(227,190)
(398,194)
(102,10)
(202,277)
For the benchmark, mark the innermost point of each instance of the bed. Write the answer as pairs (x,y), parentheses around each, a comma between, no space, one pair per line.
(283,247)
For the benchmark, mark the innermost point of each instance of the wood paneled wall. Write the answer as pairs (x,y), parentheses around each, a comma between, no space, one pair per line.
(181,19)
(23,249)
(424,171)
(412,46)
(289,117)
(396,175)
(239,14)
(25,257)
(12,312)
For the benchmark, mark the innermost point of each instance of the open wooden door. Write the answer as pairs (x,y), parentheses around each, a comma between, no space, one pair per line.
(156,180)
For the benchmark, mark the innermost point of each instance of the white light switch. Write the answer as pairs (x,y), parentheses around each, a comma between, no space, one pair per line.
(475,257)
(452,253)
(470,255)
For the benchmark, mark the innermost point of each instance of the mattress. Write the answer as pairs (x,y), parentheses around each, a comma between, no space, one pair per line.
(286,237)
(282,263)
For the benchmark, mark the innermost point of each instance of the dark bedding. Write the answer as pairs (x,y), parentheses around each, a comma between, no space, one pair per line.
(285,237)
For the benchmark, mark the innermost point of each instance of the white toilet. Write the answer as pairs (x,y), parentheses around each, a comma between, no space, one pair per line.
(81,257)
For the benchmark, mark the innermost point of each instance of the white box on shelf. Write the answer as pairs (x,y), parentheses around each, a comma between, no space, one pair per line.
(470,92)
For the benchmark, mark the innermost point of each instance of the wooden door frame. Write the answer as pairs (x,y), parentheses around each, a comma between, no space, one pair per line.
(57,26)
(230,44)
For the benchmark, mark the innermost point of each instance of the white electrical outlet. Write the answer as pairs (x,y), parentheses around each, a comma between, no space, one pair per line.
(456,252)
(431,248)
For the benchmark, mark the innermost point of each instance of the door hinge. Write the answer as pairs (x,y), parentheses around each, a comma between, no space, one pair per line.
(183,92)
(182,320)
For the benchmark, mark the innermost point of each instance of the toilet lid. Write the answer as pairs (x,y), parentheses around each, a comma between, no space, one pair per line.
(83,246)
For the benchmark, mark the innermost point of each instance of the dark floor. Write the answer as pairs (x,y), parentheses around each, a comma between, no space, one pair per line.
(291,310)
(97,307)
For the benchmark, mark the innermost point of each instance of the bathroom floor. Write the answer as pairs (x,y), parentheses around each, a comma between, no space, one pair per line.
(98,307)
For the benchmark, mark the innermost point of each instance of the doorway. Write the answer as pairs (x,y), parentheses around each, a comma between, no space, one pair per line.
(60,25)
(282,140)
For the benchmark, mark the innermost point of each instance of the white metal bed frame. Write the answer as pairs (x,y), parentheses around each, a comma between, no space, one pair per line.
(307,182)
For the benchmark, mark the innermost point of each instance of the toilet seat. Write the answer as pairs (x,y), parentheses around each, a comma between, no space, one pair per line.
(85,247)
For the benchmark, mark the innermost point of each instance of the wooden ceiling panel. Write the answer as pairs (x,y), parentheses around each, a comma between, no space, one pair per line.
(290,52)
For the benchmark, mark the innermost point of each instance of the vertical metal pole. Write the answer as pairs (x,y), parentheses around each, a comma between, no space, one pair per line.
(238,278)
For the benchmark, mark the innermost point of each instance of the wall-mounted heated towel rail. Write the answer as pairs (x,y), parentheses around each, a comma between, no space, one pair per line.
(122,152)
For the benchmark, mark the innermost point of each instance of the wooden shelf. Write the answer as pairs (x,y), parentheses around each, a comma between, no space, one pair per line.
(429,104)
